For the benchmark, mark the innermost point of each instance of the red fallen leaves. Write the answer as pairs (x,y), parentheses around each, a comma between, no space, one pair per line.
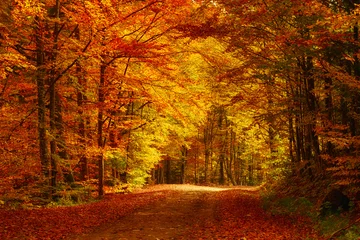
(240,216)
(237,214)
(61,222)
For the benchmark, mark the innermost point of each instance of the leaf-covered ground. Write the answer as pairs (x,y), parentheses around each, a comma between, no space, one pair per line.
(162,212)
(62,222)
(240,216)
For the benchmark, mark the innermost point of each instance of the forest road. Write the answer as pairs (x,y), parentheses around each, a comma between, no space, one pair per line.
(185,207)
(208,213)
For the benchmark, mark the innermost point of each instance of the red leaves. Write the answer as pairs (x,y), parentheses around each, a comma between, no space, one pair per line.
(240,216)
(133,48)
(61,222)
(236,214)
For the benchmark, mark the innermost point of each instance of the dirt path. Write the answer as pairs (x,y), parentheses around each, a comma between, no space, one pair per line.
(193,212)
(171,218)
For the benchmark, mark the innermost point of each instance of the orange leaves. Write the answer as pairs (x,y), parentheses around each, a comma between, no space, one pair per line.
(132,48)
(240,216)
(28,9)
(58,223)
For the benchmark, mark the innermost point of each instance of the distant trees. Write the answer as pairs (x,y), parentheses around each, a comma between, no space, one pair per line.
(300,60)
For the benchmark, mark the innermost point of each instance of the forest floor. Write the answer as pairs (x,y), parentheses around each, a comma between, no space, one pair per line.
(159,212)
(196,212)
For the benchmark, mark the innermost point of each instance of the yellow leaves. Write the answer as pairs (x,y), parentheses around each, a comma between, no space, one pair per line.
(106,3)
(337,22)
(28,9)
(95,16)
(10,60)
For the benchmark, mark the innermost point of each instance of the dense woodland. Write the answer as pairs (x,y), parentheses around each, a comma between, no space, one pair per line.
(99,94)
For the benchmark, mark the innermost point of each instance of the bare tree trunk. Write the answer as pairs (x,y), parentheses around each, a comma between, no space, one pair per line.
(221,169)
(183,164)
(53,104)
(196,181)
(312,136)
(101,100)
(207,153)
(222,129)
(251,170)
(329,110)
(40,80)
(81,97)
(231,158)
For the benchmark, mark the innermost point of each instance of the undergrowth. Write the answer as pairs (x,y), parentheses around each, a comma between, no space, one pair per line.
(30,197)
(64,194)
(304,200)
(287,205)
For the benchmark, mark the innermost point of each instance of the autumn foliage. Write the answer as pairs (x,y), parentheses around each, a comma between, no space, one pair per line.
(297,76)
(100,94)
(82,85)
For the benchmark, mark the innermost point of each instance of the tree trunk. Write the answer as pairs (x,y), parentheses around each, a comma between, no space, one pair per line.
(208,145)
(167,166)
(53,104)
(81,97)
(231,158)
(221,169)
(221,119)
(101,100)
(313,140)
(329,111)
(292,141)
(207,154)
(251,170)
(40,80)
(183,164)
(53,154)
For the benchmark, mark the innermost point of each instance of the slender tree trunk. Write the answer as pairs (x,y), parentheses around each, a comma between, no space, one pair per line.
(221,170)
(207,154)
(221,119)
(291,138)
(130,112)
(208,138)
(231,158)
(53,154)
(196,168)
(251,170)
(241,171)
(312,136)
(40,80)
(354,126)
(53,102)
(237,164)
(329,111)
(101,101)
(81,98)
(290,114)
(298,142)
(167,166)
(183,164)
(197,151)
(272,141)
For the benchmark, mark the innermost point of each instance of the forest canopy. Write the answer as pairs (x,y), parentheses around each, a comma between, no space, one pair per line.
(121,93)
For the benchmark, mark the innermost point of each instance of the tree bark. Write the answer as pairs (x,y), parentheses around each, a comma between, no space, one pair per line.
(312,136)
(100,122)
(183,164)
(41,98)
(81,98)
(53,104)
